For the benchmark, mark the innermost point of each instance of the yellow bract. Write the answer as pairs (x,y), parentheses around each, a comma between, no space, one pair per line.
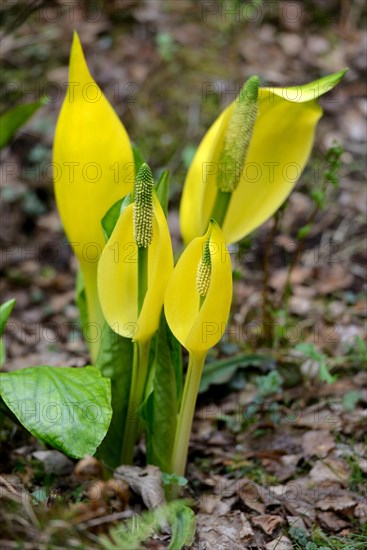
(93,168)
(94,164)
(118,276)
(199,324)
(280,146)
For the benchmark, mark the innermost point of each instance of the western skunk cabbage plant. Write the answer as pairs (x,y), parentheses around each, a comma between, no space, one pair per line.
(245,167)
(197,305)
(133,273)
(252,156)
(93,168)
(136,264)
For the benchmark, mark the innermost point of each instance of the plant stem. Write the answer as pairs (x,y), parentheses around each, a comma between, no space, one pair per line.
(266,313)
(93,330)
(142,275)
(221,206)
(186,413)
(137,387)
(140,368)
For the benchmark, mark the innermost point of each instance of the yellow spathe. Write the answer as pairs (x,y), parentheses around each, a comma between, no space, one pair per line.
(92,155)
(93,168)
(118,276)
(279,149)
(200,328)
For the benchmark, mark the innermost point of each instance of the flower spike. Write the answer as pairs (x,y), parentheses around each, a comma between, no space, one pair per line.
(143,207)
(204,271)
(238,136)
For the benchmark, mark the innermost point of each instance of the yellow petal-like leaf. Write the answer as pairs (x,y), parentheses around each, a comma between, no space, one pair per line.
(279,149)
(199,329)
(310,91)
(92,156)
(118,276)
(160,268)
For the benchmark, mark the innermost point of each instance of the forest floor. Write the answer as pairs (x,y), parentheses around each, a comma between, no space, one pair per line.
(278,453)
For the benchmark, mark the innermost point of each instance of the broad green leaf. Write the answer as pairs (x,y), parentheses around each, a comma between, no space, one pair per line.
(163,190)
(70,409)
(14,118)
(115,360)
(159,411)
(221,371)
(5,311)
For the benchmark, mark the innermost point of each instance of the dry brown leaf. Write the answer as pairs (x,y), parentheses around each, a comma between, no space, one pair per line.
(54,462)
(88,467)
(297,521)
(146,482)
(321,417)
(284,468)
(267,522)
(281,543)
(251,495)
(337,502)
(213,504)
(233,531)
(360,512)
(331,522)
(317,443)
(298,276)
(333,277)
(330,470)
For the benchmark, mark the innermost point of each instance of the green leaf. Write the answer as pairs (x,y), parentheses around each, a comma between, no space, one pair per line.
(115,359)
(163,190)
(13,119)
(176,356)
(130,534)
(324,373)
(183,526)
(174,479)
(221,371)
(318,196)
(269,384)
(81,299)
(159,411)
(5,311)
(350,400)
(109,220)
(304,231)
(70,409)
(138,157)
(309,350)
